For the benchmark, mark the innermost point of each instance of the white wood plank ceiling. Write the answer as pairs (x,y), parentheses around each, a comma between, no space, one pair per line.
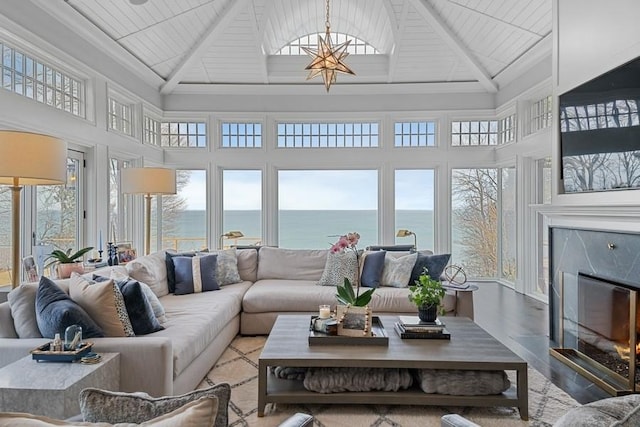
(233,41)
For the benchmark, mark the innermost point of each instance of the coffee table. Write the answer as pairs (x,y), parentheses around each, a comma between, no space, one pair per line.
(470,348)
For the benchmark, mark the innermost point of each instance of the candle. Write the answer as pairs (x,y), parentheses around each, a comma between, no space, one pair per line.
(325,311)
(100,241)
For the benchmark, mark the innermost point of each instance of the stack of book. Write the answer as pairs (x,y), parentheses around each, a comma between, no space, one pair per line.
(409,327)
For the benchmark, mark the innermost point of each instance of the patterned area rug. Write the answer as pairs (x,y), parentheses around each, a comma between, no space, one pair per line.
(239,367)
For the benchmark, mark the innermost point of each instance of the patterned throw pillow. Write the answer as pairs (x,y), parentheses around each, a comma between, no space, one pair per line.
(339,266)
(195,274)
(104,303)
(116,407)
(158,309)
(397,271)
(226,267)
(55,311)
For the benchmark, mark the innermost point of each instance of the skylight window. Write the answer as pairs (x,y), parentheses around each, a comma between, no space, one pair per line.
(356,47)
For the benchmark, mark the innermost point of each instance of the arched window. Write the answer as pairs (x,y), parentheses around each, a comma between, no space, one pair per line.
(356,47)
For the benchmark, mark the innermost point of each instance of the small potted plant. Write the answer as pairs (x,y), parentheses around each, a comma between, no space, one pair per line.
(426,294)
(66,262)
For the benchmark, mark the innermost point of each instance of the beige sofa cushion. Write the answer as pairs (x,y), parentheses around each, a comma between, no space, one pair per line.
(152,270)
(291,264)
(248,264)
(22,301)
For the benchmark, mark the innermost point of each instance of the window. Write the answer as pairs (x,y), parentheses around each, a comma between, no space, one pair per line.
(184,215)
(327,135)
(317,206)
(151,131)
(507,127)
(356,47)
(120,221)
(120,116)
(540,114)
(29,76)
(414,197)
(242,206)
(183,134)
(5,235)
(474,132)
(508,221)
(241,135)
(415,134)
(474,221)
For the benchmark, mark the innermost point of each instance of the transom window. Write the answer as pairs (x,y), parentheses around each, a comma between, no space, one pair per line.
(507,129)
(241,135)
(540,114)
(474,132)
(120,116)
(151,130)
(415,134)
(356,47)
(29,76)
(327,135)
(183,134)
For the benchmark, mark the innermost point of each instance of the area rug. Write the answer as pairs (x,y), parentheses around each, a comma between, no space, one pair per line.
(239,367)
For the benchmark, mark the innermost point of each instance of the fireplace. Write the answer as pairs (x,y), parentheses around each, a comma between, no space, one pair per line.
(594,306)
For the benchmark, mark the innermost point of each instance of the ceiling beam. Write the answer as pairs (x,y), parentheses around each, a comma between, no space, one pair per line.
(257,33)
(398,35)
(196,51)
(426,10)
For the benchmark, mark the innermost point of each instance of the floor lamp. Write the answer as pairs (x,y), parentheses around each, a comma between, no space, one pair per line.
(148,181)
(28,159)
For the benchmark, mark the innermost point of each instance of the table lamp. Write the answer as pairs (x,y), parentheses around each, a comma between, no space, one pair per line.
(407,233)
(148,181)
(28,159)
(230,235)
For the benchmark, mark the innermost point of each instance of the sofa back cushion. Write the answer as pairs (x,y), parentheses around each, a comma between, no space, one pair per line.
(152,270)
(22,301)
(292,264)
(248,264)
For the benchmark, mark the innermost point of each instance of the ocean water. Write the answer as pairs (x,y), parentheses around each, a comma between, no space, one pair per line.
(312,229)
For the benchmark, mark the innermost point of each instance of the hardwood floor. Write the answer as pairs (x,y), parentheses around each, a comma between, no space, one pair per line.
(522,324)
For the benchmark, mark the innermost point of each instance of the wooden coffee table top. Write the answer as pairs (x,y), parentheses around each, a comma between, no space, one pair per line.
(470,347)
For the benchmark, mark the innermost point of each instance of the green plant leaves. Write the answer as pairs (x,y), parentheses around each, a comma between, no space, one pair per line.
(346,295)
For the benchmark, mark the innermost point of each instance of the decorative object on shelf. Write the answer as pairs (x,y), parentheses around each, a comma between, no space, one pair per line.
(28,159)
(66,262)
(427,295)
(229,235)
(72,337)
(148,181)
(377,337)
(411,327)
(327,59)
(353,321)
(45,353)
(112,254)
(125,252)
(455,275)
(30,268)
(407,233)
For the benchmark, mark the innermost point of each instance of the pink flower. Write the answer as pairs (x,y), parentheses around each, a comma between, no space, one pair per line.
(347,241)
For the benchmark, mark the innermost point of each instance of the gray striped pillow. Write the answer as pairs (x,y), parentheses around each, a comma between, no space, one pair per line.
(195,274)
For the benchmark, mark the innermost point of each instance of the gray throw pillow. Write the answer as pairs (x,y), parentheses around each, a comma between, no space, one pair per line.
(116,407)
(434,264)
(22,301)
(372,267)
(340,265)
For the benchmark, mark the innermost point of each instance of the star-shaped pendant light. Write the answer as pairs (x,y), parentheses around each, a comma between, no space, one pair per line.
(328,59)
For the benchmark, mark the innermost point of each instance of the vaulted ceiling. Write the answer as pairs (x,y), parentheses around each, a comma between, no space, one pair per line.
(227,42)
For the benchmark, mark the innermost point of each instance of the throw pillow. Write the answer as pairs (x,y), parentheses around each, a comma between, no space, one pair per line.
(22,302)
(115,407)
(139,309)
(104,303)
(195,274)
(158,309)
(171,269)
(397,271)
(434,264)
(201,412)
(152,270)
(55,311)
(340,265)
(227,267)
(372,267)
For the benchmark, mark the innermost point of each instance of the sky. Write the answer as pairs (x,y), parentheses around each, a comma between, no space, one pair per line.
(315,190)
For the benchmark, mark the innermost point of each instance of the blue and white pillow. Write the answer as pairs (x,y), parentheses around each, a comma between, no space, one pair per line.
(195,274)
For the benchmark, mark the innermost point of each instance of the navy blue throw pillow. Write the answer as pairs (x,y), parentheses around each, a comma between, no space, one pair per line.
(55,311)
(435,265)
(372,269)
(138,306)
(171,269)
(195,274)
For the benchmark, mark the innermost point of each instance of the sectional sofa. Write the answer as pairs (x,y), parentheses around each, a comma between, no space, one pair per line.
(200,326)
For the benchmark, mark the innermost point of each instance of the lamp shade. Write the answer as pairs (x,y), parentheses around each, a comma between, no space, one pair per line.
(33,158)
(148,181)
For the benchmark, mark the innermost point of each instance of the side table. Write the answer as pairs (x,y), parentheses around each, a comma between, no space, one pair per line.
(52,389)
(464,298)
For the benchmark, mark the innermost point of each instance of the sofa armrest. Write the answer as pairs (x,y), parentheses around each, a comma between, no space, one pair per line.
(7,329)
(15,349)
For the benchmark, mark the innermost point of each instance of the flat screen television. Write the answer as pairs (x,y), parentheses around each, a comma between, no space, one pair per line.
(600,132)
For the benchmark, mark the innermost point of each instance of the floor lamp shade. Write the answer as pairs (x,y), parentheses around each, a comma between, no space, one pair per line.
(28,159)
(148,181)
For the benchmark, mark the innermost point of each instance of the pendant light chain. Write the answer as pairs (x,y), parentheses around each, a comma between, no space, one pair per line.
(327,23)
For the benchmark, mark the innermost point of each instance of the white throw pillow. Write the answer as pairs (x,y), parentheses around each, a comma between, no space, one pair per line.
(152,270)
(397,271)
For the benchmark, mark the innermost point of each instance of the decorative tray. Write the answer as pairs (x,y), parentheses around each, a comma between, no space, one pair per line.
(379,337)
(42,353)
